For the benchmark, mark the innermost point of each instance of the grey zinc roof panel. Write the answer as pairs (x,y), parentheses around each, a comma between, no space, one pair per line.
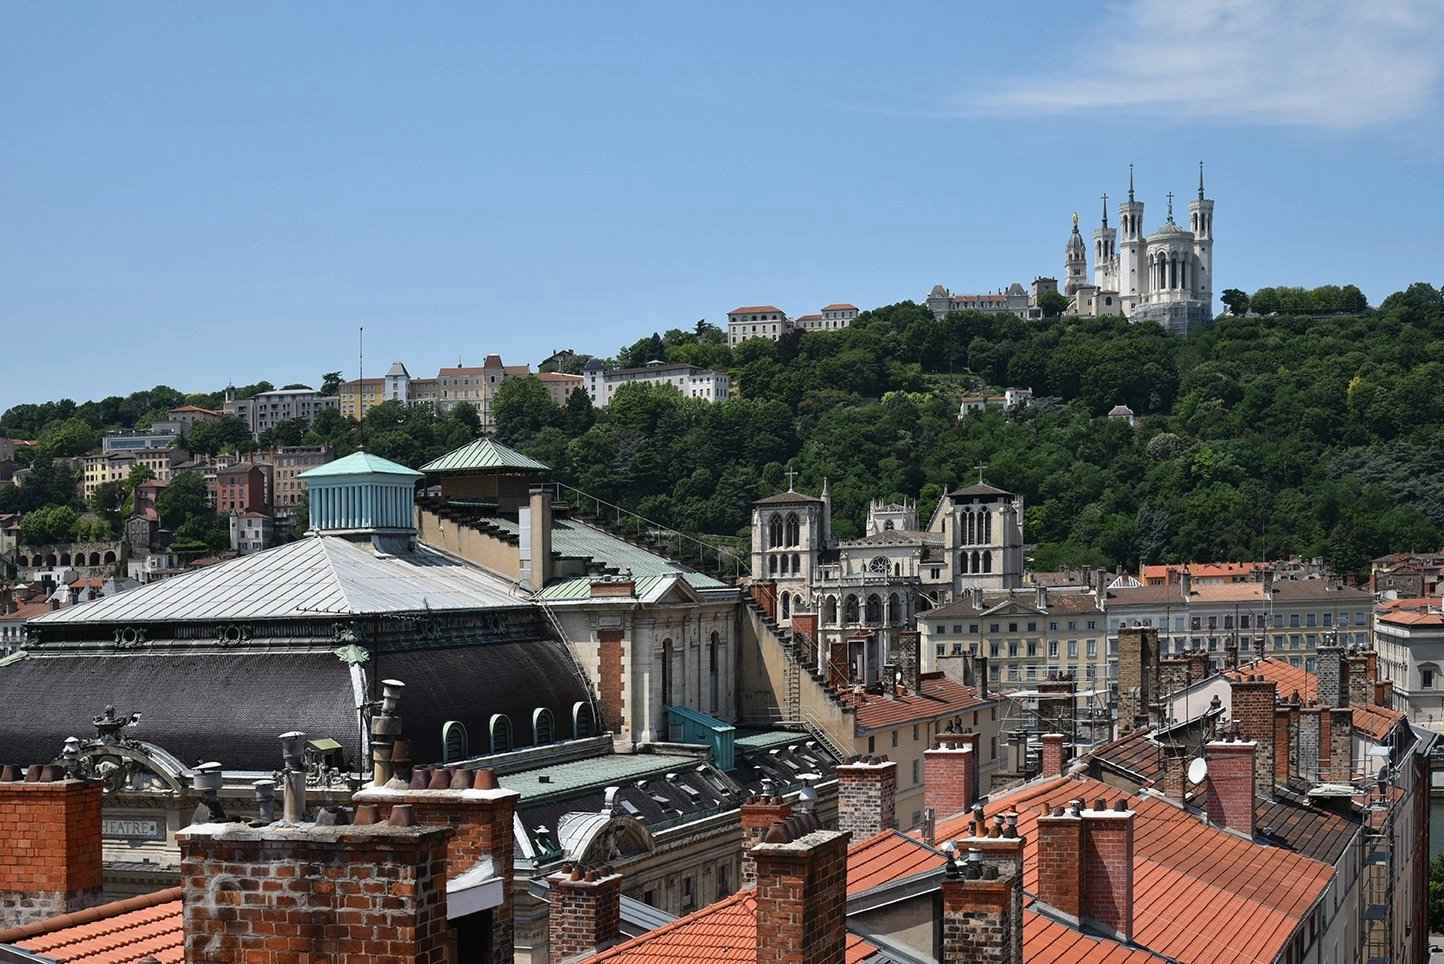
(484,453)
(594,771)
(318,575)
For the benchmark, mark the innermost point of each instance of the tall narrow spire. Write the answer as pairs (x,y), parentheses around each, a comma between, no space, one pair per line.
(1130,184)
(1105,209)
(1170,205)
(1200,180)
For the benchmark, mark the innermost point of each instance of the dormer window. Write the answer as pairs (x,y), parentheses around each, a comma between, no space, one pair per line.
(500,733)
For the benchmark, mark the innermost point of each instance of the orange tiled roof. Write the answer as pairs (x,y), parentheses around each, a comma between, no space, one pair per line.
(1200,893)
(839,307)
(118,937)
(1375,722)
(1407,618)
(755,310)
(940,697)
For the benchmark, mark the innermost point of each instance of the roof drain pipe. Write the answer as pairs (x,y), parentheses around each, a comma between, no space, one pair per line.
(293,777)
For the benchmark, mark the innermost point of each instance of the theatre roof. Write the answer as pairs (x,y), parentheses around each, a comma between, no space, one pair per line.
(317,576)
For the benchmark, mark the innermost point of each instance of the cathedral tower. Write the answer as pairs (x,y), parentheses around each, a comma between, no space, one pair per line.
(1075,261)
(1200,214)
(1132,277)
(1105,250)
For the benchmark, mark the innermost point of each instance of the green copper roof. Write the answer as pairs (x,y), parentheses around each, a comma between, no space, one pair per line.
(359,463)
(482,455)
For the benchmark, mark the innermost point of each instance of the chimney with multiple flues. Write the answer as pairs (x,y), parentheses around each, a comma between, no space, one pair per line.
(802,893)
(982,894)
(1085,864)
(1230,796)
(584,912)
(866,795)
(759,812)
(950,774)
(49,844)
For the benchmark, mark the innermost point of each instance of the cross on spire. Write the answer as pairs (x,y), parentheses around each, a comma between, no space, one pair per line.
(1130,184)
(1170,205)
(1105,209)
(1200,180)
(980,466)
(791,476)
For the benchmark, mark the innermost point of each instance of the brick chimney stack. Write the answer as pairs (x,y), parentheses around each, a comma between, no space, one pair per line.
(1138,671)
(1108,867)
(982,911)
(1283,743)
(950,777)
(1252,700)
(1053,755)
(801,897)
(585,913)
(281,892)
(49,844)
(1085,863)
(1361,684)
(759,813)
(982,922)
(866,796)
(909,659)
(1333,674)
(1229,795)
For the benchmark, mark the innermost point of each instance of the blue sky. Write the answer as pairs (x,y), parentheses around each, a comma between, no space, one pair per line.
(196,194)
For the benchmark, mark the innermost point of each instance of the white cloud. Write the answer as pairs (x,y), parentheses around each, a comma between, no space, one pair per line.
(1325,63)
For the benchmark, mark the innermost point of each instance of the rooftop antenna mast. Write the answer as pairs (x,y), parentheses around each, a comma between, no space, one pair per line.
(361,382)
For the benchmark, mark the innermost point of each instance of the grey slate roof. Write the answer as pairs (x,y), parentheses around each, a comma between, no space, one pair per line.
(483,455)
(315,576)
(979,488)
(230,705)
(787,498)
(571,537)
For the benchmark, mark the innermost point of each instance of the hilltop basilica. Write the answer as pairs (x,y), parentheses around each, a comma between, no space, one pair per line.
(1165,276)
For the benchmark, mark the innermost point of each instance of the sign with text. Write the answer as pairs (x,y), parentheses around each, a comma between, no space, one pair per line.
(132,828)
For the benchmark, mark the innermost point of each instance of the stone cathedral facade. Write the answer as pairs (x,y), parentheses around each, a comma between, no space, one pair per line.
(1164,276)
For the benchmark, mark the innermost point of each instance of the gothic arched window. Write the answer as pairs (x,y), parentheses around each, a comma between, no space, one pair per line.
(874,609)
(987,528)
(963,563)
(786,606)
(977,562)
(969,540)
(796,563)
(774,532)
(772,565)
(894,609)
(829,611)
(850,610)
(794,530)
(988,561)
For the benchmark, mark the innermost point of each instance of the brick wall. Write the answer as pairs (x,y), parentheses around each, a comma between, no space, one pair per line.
(1229,795)
(49,849)
(1253,711)
(584,915)
(1108,868)
(1333,676)
(1341,745)
(273,895)
(1137,674)
(1052,754)
(908,655)
(867,797)
(1060,859)
(982,919)
(1283,744)
(1361,685)
(609,678)
(757,815)
(1174,782)
(481,825)
(1308,751)
(802,899)
(949,778)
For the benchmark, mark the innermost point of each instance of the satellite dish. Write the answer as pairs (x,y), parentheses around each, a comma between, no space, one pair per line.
(1197,770)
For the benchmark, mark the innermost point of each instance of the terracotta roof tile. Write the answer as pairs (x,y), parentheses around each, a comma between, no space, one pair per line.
(755,310)
(940,696)
(1200,893)
(156,931)
(1375,722)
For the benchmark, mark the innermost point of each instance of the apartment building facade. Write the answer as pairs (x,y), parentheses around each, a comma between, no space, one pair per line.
(265,410)
(689,380)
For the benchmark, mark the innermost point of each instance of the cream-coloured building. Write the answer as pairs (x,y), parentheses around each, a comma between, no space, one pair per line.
(688,380)
(560,385)
(99,468)
(359,396)
(1409,639)
(1165,276)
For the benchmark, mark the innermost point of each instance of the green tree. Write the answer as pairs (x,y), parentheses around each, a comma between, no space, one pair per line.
(523,407)
(1436,894)
(227,434)
(1053,304)
(183,499)
(331,383)
(71,437)
(47,525)
(1235,301)
(290,432)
